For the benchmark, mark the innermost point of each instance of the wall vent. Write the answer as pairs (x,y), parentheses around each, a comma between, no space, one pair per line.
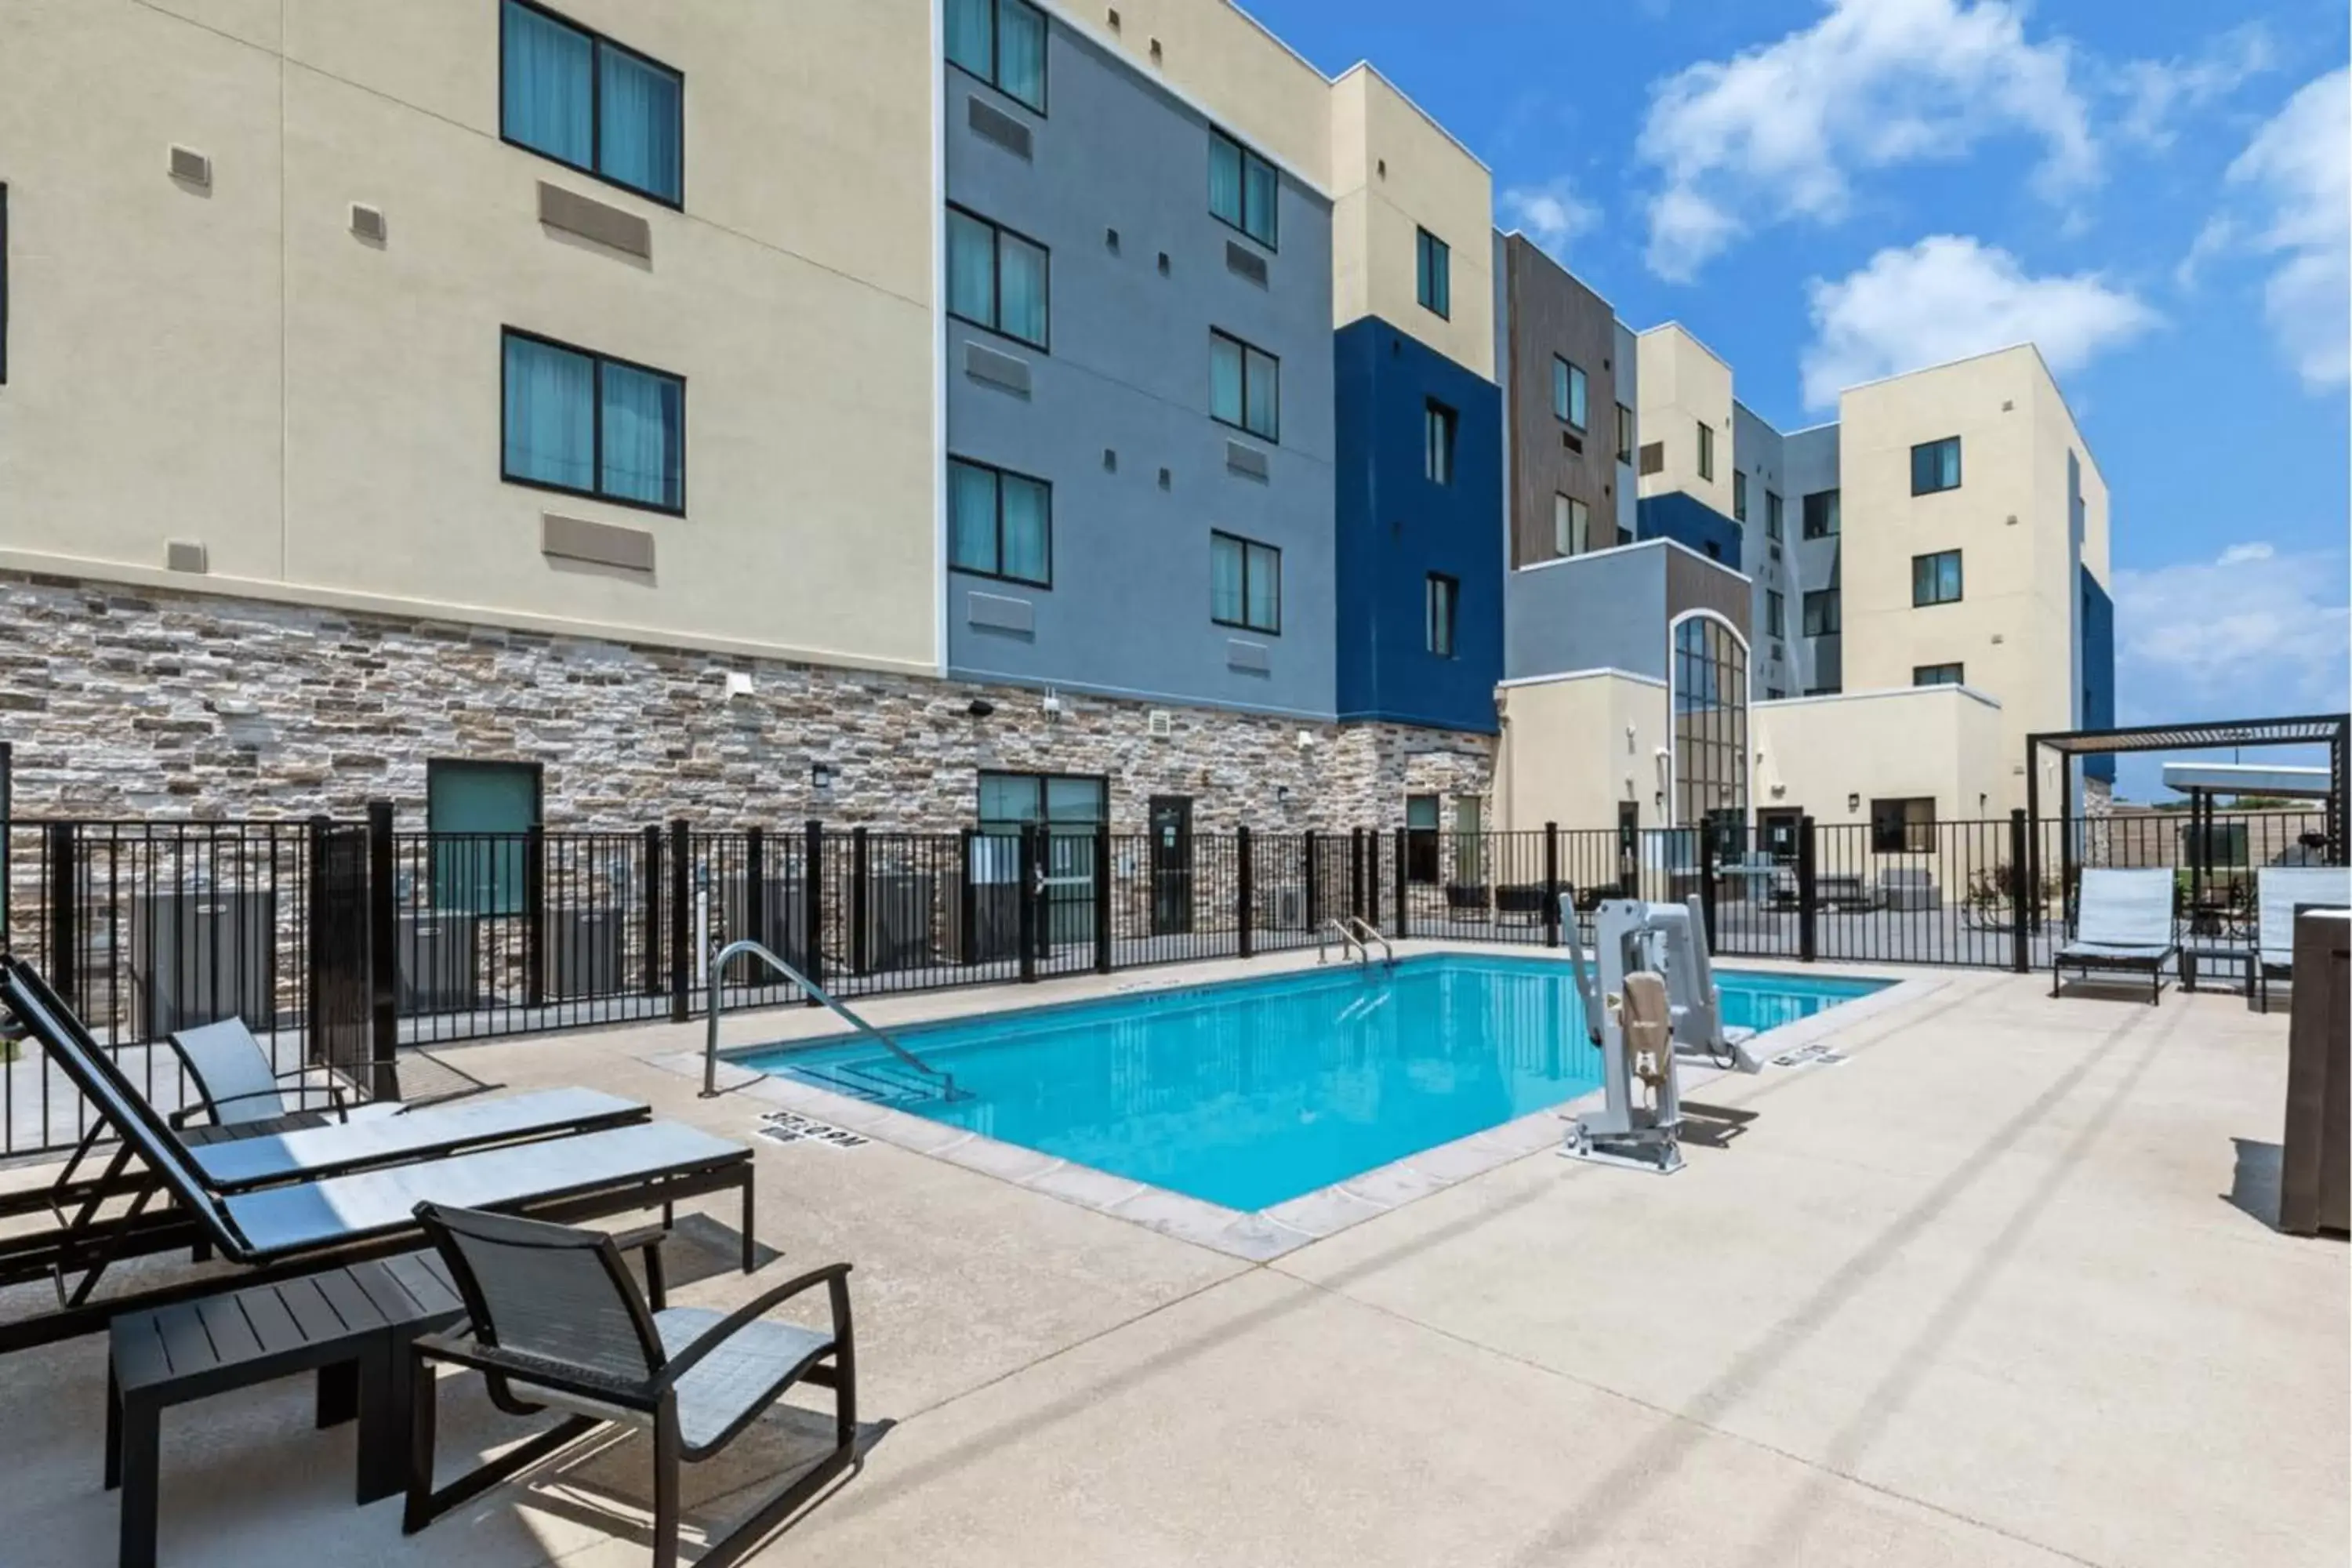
(1163,264)
(1247,461)
(1161,723)
(578,539)
(990,123)
(1167,480)
(1568,439)
(367,222)
(1110,461)
(1007,371)
(186,555)
(1113,21)
(1001,613)
(1110,240)
(192,167)
(1255,657)
(607,225)
(1243,262)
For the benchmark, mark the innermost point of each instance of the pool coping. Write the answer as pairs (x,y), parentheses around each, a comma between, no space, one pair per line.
(1262,1234)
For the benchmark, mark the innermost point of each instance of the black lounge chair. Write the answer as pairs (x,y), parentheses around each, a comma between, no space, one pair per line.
(297,1225)
(556,1322)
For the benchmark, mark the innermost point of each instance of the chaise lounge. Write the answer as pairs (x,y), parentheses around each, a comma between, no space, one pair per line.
(2124,921)
(2286,891)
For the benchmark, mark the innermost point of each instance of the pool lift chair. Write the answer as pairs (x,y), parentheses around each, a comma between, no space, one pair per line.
(1649,994)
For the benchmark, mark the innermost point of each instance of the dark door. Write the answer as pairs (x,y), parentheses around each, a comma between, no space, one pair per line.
(1778,828)
(1421,837)
(1172,865)
(1629,847)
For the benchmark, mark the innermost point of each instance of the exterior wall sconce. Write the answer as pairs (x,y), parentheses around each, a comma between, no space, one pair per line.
(820,776)
(1853,803)
(1281,795)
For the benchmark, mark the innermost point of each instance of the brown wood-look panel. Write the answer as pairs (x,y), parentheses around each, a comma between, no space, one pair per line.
(1694,583)
(1552,314)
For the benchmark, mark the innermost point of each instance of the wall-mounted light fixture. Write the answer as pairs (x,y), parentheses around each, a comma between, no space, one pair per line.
(1281,795)
(1853,803)
(820,776)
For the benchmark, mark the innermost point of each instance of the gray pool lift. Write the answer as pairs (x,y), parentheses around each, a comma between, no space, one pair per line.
(1632,937)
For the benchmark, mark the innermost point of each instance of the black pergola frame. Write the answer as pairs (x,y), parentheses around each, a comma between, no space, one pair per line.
(2332,731)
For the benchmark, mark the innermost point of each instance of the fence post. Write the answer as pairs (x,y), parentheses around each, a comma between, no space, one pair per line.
(534,916)
(2020,877)
(812,907)
(64,914)
(1808,893)
(384,934)
(755,894)
(1313,898)
(1355,873)
(1403,882)
(1551,885)
(967,898)
(860,957)
(1102,898)
(1027,901)
(681,921)
(653,896)
(1706,884)
(1244,903)
(314,1009)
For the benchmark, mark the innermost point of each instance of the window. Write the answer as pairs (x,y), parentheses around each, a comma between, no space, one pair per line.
(1624,434)
(1241,188)
(1654,458)
(1710,719)
(1244,386)
(1820,608)
(1421,814)
(1571,525)
(1738,494)
(1245,584)
(1903,826)
(585,101)
(1624,535)
(1433,271)
(1936,579)
(1445,597)
(1775,694)
(1568,392)
(1002,42)
(1775,613)
(1936,466)
(478,815)
(1772,514)
(1438,423)
(592,426)
(1822,515)
(1936,675)
(1705,452)
(996,279)
(1000,524)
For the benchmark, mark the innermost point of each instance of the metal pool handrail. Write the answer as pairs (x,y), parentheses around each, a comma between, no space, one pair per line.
(1353,931)
(947,1090)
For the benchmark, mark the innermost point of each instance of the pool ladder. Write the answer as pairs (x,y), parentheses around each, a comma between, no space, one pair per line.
(1355,934)
(944,1082)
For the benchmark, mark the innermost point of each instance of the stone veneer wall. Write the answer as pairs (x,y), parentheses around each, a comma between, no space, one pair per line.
(131,702)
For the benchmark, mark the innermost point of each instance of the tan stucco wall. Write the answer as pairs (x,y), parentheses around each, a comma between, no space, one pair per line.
(1573,746)
(234,366)
(1395,171)
(1814,753)
(1684,384)
(2012,629)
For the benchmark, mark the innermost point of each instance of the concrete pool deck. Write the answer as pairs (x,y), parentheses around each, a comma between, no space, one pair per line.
(1979,1295)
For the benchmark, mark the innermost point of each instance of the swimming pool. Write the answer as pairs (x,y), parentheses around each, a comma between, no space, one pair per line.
(1252,1092)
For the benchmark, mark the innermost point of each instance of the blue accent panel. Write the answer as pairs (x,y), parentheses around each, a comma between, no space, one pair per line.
(2097,631)
(1684,518)
(1396,527)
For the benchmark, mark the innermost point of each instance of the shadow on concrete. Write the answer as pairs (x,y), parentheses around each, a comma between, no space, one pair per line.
(1713,1126)
(2255,1182)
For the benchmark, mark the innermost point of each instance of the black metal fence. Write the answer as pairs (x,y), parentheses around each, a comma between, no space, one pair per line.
(341,943)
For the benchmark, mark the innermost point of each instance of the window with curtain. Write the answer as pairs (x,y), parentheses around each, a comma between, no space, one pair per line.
(1938,675)
(592,425)
(1772,514)
(585,101)
(1821,514)
(1242,188)
(1002,42)
(1738,496)
(1568,392)
(1438,424)
(1433,273)
(1936,466)
(1706,450)
(1936,579)
(997,278)
(1571,525)
(1444,599)
(1820,613)
(1244,386)
(1775,613)
(1000,524)
(1245,584)
(1624,434)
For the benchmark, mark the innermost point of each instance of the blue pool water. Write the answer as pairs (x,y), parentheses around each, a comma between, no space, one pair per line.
(1252,1092)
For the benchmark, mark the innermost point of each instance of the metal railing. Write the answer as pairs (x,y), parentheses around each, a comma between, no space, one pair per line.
(715,1004)
(1355,934)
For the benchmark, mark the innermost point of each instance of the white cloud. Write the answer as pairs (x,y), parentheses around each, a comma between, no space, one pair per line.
(2158,94)
(2257,629)
(1551,214)
(1874,83)
(1950,296)
(2297,177)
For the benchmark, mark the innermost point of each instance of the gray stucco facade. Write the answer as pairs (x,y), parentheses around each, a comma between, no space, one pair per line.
(1811,460)
(1612,609)
(1115,414)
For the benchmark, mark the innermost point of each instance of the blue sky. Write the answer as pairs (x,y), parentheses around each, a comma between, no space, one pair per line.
(2155,191)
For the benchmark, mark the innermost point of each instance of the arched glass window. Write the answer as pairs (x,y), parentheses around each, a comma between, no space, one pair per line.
(1710,697)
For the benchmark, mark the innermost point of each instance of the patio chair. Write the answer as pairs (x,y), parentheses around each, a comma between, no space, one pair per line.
(294,1226)
(556,1322)
(238,1085)
(2124,921)
(2286,891)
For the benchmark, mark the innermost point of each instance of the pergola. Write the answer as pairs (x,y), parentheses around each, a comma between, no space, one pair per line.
(2332,731)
